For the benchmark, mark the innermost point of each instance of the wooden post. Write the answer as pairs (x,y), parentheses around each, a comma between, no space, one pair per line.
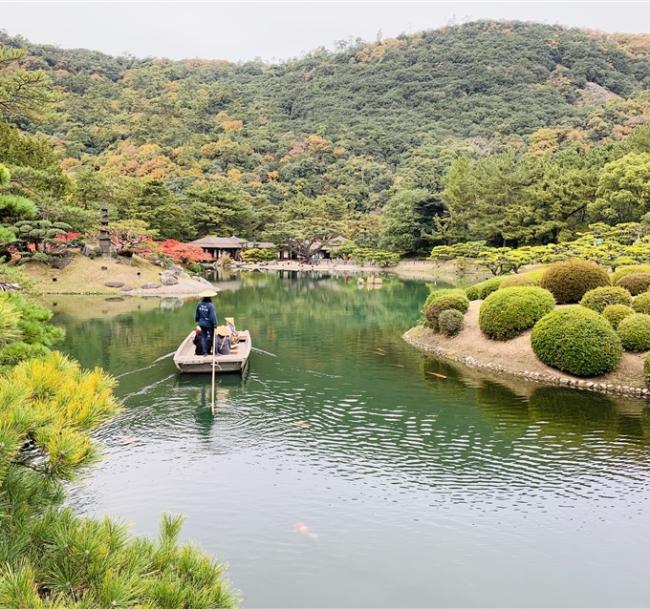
(213,405)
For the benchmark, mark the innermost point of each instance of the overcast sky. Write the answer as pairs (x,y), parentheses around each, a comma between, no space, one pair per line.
(278,30)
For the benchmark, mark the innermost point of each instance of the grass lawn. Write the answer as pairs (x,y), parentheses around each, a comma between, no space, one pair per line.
(86,276)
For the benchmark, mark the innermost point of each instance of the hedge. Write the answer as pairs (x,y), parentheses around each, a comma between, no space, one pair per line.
(616,313)
(439,301)
(570,280)
(450,322)
(521,279)
(383,258)
(472,292)
(509,311)
(635,283)
(641,303)
(621,272)
(598,298)
(480,291)
(635,332)
(576,340)
(259,254)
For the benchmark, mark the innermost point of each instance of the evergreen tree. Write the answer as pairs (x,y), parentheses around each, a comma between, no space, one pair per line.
(303,224)
(219,208)
(50,558)
(408,221)
(624,189)
(23,93)
(157,206)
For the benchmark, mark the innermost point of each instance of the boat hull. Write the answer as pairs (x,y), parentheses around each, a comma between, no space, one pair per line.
(235,362)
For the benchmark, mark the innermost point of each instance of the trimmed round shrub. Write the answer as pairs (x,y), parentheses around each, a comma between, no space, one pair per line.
(570,280)
(616,313)
(576,340)
(641,303)
(530,278)
(450,322)
(509,311)
(472,292)
(621,272)
(598,298)
(480,291)
(635,283)
(439,301)
(646,369)
(517,281)
(634,331)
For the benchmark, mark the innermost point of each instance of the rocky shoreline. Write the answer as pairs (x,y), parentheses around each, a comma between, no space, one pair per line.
(425,340)
(419,270)
(172,282)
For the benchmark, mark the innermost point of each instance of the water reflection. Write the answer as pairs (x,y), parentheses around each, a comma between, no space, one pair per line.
(383,451)
(364,394)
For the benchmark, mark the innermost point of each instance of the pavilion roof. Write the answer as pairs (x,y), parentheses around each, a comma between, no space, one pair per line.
(259,244)
(212,241)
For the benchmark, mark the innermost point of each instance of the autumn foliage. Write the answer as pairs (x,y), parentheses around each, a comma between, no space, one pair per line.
(68,237)
(182,252)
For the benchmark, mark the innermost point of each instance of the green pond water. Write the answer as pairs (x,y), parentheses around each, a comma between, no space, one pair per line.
(343,473)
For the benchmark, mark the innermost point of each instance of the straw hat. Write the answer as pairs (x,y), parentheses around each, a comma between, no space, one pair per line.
(208,293)
(222,331)
(229,320)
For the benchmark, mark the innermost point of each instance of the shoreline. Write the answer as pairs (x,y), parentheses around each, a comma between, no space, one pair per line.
(115,277)
(473,350)
(182,292)
(413,269)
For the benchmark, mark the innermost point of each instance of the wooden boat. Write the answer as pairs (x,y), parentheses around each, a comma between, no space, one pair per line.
(236,361)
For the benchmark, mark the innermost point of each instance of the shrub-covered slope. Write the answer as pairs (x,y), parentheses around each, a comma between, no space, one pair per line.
(476,80)
(509,133)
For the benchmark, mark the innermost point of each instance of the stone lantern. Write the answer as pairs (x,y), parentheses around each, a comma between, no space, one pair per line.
(104,236)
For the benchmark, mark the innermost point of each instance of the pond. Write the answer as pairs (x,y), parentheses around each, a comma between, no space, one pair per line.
(347,469)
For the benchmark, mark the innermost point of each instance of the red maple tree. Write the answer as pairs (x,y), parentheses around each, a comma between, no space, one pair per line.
(182,252)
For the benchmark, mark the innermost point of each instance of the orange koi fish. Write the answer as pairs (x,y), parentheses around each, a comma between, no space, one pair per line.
(303,529)
(440,376)
(302,424)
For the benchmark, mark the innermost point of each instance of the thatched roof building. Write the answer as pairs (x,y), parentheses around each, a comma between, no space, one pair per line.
(233,246)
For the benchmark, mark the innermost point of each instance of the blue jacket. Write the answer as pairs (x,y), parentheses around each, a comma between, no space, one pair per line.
(206,315)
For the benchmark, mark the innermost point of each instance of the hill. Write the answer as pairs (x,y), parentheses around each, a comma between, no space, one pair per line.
(483,79)
(222,146)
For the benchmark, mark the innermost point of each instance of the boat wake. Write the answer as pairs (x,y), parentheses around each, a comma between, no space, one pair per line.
(151,365)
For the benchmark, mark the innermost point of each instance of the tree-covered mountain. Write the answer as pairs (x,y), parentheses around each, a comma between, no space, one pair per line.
(196,145)
(483,79)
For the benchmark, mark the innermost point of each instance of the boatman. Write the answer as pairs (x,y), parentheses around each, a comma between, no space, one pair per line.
(206,318)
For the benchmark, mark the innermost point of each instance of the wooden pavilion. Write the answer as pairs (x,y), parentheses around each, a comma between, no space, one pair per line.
(216,247)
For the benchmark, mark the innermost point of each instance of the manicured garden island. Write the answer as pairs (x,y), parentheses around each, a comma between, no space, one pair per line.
(571,323)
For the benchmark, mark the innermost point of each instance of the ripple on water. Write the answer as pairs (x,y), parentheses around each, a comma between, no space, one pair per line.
(399,474)
(411,451)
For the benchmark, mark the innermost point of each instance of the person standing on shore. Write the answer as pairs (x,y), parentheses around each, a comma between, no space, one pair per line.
(206,318)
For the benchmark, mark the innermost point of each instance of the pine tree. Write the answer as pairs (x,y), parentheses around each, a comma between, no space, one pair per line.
(49,557)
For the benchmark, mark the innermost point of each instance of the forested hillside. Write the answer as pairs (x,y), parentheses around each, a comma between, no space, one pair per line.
(404,143)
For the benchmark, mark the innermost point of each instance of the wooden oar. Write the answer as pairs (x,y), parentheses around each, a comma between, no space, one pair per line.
(213,405)
(262,351)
